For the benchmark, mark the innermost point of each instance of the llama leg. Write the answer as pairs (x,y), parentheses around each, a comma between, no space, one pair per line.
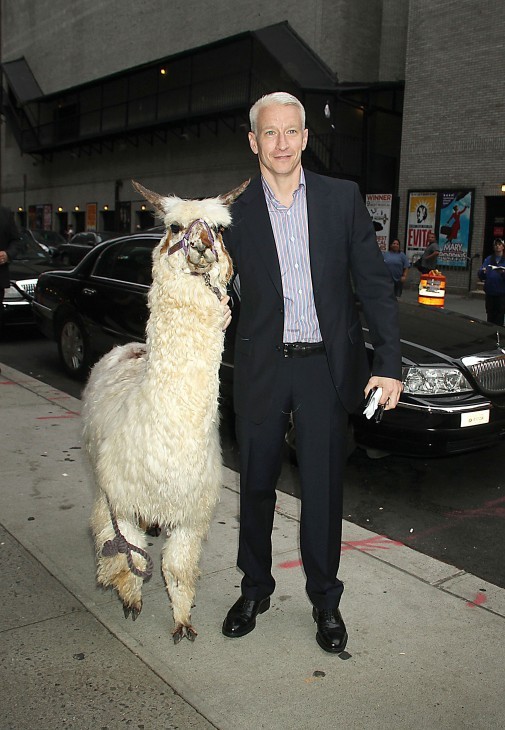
(181,554)
(113,570)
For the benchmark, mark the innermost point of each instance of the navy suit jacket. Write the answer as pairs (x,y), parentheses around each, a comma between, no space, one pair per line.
(344,258)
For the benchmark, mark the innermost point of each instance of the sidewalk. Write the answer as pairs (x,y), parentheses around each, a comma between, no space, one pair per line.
(472,306)
(425,639)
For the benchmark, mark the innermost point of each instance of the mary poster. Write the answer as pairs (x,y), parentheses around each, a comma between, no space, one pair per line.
(455,209)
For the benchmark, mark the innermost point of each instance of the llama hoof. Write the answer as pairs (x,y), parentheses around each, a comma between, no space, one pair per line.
(182,631)
(133,610)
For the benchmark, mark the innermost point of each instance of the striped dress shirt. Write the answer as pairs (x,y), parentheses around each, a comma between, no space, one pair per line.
(291,233)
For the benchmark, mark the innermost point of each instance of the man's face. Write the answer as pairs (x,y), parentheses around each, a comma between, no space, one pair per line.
(498,249)
(279,140)
(431,238)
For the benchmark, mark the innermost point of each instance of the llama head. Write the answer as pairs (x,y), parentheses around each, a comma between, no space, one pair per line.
(193,242)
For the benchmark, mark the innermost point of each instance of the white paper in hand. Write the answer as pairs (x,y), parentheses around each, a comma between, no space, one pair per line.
(373,403)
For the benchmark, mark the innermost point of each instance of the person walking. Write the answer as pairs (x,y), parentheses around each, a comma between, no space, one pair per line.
(492,273)
(428,260)
(9,235)
(297,239)
(398,265)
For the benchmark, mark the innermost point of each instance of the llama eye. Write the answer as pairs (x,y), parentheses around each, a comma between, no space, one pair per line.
(175,228)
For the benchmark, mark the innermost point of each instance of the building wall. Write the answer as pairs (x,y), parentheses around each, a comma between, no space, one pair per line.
(69,44)
(454,105)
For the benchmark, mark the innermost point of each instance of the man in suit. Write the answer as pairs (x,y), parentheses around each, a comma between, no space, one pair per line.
(296,239)
(9,236)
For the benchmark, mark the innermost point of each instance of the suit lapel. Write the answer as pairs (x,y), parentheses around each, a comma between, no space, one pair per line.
(320,214)
(259,229)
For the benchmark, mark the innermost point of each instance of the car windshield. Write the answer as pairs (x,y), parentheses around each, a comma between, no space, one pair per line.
(28,250)
(51,237)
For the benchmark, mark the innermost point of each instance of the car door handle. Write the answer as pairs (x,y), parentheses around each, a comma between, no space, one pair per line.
(88,291)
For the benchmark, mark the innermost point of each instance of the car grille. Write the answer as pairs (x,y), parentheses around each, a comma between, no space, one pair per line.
(488,373)
(27,286)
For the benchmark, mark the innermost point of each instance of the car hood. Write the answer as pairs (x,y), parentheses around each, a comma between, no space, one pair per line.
(29,268)
(431,336)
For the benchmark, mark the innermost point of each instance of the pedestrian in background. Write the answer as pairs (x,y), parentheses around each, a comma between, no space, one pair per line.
(9,236)
(429,258)
(398,265)
(299,242)
(492,273)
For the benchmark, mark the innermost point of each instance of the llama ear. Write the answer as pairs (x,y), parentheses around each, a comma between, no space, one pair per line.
(228,198)
(154,198)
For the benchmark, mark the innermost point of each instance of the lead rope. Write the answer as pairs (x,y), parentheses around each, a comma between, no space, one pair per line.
(206,278)
(121,545)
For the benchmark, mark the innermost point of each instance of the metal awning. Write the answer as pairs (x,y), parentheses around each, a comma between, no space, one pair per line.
(294,55)
(21,80)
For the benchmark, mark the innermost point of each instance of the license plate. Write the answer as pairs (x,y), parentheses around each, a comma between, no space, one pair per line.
(474,419)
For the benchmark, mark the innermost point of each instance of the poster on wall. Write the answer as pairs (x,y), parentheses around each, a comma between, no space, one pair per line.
(421,217)
(379,208)
(455,215)
(47,216)
(91,216)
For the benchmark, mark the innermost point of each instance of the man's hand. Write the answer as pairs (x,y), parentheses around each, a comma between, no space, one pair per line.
(226,312)
(391,390)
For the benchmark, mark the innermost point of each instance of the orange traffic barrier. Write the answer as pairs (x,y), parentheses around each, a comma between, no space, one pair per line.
(432,289)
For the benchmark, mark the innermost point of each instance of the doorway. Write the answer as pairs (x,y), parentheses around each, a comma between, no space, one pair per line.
(495,223)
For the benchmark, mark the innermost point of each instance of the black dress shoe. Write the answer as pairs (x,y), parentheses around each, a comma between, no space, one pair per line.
(331,632)
(241,618)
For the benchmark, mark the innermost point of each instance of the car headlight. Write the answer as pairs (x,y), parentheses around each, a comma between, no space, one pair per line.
(434,380)
(12,294)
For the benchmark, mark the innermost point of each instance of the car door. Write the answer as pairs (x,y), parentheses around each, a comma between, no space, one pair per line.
(116,294)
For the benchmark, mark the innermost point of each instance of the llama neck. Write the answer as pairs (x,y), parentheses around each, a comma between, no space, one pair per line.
(184,343)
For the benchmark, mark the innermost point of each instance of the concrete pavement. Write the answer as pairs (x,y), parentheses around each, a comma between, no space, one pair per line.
(425,639)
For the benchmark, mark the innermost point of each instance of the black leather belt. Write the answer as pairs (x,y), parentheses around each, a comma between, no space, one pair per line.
(302,349)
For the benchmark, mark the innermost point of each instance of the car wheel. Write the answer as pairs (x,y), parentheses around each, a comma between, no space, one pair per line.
(290,439)
(74,348)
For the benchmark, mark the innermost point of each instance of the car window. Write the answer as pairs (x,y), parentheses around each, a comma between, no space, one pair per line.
(25,249)
(86,238)
(127,261)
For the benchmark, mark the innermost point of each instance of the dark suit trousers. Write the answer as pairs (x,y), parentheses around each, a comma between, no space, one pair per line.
(304,386)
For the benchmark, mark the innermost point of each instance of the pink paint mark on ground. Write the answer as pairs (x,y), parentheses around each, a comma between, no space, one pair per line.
(479,599)
(290,564)
(70,414)
(488,509)
(379,542)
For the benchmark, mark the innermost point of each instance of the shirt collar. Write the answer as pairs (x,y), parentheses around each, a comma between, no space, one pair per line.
(270,197)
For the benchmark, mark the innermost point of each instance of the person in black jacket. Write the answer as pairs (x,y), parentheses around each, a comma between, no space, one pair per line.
(9,236)
(302,243)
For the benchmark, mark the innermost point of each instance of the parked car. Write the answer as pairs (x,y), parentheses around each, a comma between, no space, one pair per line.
(28,262)
(49,241)
(69,254)
(453,366)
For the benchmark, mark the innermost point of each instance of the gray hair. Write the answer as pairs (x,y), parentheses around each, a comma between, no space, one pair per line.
(278,97)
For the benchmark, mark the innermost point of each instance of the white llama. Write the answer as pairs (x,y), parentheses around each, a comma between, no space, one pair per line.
(150,413)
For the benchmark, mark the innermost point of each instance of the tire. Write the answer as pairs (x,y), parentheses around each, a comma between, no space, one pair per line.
(73,348)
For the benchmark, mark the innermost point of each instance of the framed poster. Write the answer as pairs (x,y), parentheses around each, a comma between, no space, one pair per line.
(448,213)
(455,215)
(379,208)
(421,217)
(91,216)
